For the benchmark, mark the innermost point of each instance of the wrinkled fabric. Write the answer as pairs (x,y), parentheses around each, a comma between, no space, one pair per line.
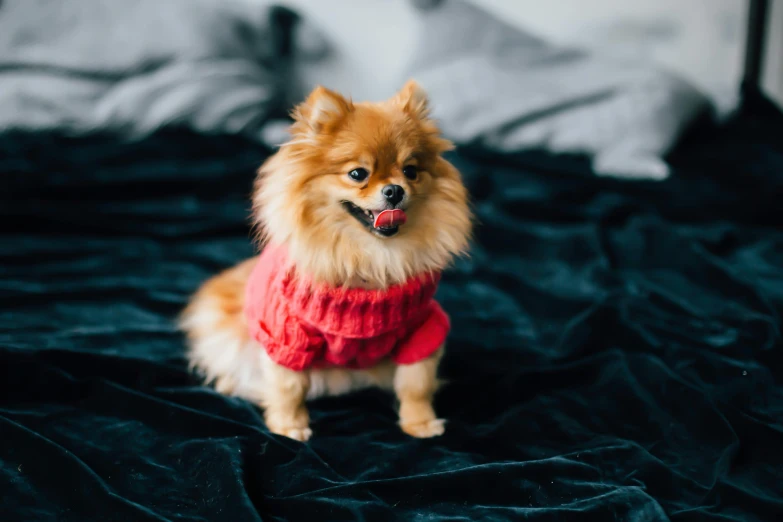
(506,89)
(615,351)
(136,66)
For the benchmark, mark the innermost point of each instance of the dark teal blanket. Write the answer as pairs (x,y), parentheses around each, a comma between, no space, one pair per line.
(616,350)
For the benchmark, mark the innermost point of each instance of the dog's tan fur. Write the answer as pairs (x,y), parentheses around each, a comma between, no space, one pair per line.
(297,202)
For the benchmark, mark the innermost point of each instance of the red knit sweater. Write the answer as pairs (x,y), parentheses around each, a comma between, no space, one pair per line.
(303,325)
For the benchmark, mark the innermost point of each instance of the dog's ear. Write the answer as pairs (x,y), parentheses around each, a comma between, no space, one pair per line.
(413,100)
(322,108)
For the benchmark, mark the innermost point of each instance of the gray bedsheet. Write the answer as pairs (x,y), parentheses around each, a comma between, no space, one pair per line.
(234,66)
(507,90)
(134,66)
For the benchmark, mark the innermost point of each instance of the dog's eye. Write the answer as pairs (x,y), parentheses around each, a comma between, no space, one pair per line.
(358,174)
(410,172)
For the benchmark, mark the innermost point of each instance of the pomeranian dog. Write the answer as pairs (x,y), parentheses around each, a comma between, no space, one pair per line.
(358,214)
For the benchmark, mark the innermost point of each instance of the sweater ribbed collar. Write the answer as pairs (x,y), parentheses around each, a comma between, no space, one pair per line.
(354,312)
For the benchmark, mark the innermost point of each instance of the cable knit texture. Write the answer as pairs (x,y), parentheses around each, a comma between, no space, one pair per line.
(302,325)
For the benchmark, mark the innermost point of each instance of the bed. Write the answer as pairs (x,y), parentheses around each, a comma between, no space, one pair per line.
(615,354)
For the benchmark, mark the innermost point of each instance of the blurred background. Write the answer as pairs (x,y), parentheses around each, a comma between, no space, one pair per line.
(616,81)
(701,39)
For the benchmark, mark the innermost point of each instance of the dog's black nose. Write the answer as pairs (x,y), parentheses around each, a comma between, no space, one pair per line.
(393,193)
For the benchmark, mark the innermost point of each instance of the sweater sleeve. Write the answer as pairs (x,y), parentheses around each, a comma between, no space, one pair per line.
(293,345)
(287,340)
(426,339)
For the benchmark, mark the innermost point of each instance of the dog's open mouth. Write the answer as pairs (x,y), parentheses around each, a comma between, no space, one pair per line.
(383,222)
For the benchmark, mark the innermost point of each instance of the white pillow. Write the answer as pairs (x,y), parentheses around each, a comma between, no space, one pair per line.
(495,86)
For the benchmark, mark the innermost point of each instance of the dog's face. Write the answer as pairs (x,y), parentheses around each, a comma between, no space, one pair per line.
(361,191)
(382,163)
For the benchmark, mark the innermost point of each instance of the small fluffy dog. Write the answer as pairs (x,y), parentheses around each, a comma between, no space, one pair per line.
(358,214)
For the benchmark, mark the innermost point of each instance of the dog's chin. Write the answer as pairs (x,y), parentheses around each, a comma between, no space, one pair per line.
(367,219)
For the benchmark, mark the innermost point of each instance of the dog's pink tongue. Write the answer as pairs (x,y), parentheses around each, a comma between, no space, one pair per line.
(390,218)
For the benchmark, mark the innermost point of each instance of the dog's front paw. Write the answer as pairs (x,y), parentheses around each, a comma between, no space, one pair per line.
(295,427)
(424,430)
(300,434)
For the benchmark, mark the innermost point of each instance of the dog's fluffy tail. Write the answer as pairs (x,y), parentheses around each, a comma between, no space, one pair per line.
(214,322)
